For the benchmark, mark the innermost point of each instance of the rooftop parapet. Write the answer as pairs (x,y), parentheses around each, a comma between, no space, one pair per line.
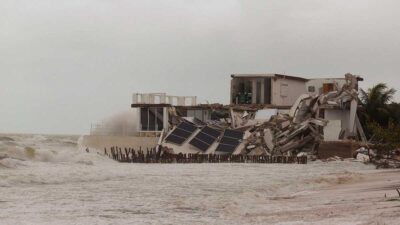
(146,99)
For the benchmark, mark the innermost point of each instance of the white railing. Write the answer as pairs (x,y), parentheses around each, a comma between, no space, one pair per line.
(162,98)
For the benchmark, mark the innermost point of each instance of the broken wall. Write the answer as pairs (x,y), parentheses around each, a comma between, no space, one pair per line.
(339,114)
(315,86)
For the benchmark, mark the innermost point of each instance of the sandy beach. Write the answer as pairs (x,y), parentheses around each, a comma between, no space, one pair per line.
(366,198)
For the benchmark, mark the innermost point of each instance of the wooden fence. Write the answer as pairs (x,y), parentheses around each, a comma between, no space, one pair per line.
(130,155)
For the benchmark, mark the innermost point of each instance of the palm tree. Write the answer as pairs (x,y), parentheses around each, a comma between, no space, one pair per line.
(376,103)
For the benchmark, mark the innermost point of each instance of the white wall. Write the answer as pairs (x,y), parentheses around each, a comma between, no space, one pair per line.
(293,90)
(319,83)
(338,114)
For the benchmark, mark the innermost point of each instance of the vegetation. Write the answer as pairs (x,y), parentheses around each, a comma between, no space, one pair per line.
(386,139)
(376,102)
(380,117)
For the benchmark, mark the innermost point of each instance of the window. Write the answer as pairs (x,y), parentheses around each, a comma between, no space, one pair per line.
(311,89)
(151,119)
(328,87)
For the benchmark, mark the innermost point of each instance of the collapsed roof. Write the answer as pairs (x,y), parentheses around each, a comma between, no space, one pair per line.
(244,131)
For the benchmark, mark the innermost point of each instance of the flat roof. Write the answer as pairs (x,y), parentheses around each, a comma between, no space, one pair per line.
(329,78)
(268,75)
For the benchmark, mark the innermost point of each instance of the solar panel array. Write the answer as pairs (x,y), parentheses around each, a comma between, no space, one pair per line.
(181,133)
(205,138)
(230,141)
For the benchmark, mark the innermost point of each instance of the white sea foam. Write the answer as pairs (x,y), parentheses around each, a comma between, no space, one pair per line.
(51,180)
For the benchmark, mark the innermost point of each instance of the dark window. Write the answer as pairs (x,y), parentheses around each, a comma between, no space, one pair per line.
(258,92)
(311,89)
(267,91)
(151,119)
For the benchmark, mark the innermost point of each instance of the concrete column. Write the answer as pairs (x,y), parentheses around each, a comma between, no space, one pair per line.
(254,91)
(262,94)
(353,114)
(138,119)
(165,119)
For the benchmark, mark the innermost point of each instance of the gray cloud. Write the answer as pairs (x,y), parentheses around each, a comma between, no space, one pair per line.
(65,64)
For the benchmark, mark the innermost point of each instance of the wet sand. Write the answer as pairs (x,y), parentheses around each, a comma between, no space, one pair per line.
(368,198)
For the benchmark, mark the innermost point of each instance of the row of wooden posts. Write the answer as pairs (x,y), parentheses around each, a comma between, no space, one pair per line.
(130,155)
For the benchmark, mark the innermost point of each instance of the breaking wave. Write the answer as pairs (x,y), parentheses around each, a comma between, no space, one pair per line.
(23,150)
(48,160)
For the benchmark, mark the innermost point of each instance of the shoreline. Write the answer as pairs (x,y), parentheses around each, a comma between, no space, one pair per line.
(370,198)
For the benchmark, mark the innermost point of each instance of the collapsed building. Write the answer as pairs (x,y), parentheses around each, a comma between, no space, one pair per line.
(268,114)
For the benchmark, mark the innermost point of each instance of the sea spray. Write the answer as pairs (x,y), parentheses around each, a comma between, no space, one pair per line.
(119,124)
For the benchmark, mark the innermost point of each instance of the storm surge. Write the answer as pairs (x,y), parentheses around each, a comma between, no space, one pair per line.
(46,159)
(40,172)
(37,148)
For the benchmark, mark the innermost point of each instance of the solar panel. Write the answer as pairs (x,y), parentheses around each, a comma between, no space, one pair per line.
(233,134)
(211,132)
(181,133)
(230,141)
(199,144)
(175,139)
(205,138)
(187,127)
(226,148)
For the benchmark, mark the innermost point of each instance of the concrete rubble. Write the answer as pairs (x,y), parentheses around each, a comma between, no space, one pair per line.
(297,133)
(300,131)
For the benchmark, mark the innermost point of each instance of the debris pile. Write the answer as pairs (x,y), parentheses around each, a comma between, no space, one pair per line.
(385,161)
(266,131)
(281,136)
(300,131)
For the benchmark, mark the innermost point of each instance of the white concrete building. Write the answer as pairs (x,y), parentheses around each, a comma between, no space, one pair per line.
(266,89)
(277,90)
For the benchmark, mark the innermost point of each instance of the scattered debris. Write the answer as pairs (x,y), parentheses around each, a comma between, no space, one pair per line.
(265,131)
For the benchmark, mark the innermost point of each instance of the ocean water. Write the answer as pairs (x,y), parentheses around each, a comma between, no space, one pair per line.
(52,180)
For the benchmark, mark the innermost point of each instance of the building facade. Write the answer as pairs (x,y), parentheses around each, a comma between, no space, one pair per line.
(266,89)
(277,90)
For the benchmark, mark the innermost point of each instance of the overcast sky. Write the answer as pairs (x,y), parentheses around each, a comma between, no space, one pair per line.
(65,64)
